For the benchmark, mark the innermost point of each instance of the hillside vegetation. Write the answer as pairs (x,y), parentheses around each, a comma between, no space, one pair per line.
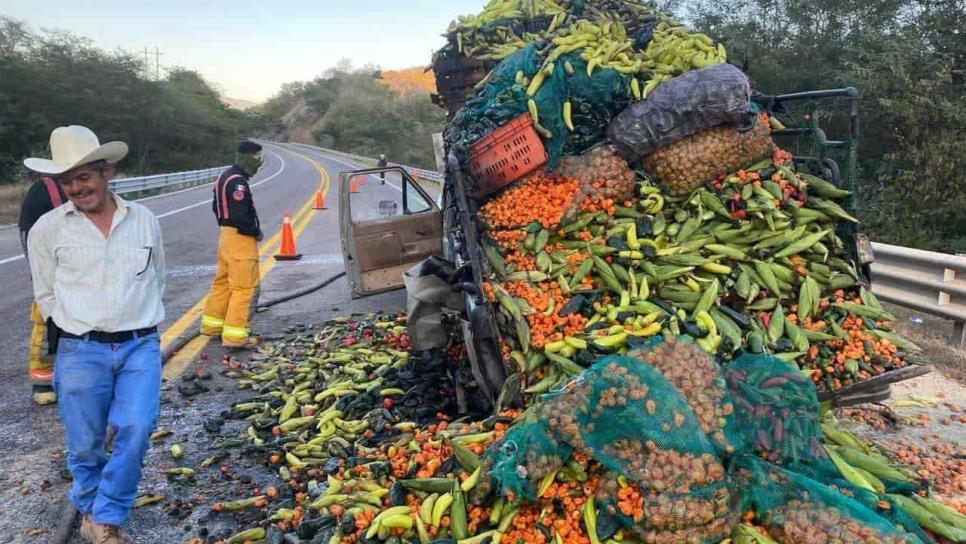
(361,111)
(908,60)
(50,79)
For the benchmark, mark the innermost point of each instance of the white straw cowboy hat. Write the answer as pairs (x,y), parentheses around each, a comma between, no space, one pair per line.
(75,146)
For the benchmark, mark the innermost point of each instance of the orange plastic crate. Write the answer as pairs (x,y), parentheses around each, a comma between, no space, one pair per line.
(505,155)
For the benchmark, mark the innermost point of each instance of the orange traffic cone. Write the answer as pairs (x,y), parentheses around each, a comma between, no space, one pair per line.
(319,201)
(287,249)
(352,186)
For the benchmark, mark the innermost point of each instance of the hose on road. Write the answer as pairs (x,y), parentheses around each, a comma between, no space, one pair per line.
(65,526)
(179,343)
(300,293)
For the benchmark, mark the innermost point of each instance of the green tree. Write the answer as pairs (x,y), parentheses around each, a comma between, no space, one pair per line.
(50,79)
(906,57)
(350,110)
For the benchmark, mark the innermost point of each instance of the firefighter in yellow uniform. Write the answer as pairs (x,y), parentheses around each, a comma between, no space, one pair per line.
(44,195)
(234,290)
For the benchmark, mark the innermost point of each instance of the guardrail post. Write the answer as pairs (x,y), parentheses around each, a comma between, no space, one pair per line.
(959,327)
(959,334)
(949,275)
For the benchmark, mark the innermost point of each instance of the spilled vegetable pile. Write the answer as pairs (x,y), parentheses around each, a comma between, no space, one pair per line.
(672,290)
(751,262)
(665,206)
(662,444)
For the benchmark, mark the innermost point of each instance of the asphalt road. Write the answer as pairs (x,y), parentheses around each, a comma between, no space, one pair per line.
(31,437)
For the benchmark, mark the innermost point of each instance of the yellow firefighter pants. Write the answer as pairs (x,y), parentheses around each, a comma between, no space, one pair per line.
(40,365)
(233,293)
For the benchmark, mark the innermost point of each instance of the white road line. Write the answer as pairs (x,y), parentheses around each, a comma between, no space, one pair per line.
(179,210)
(208,200)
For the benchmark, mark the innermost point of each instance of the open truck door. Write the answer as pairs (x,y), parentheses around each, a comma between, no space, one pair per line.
(386,227)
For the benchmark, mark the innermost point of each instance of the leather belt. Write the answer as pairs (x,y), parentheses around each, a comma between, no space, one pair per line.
(110,337)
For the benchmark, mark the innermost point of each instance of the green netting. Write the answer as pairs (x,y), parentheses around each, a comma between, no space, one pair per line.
(499,101)
(637,416)
(704,515)
(595,99)
(797,509)
(776,409)
(666,420)
(525,456)
(699,380)
(821,469)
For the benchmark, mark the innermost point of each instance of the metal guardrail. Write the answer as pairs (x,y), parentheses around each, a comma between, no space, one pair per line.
(420,173)
(934,283)
(158,181)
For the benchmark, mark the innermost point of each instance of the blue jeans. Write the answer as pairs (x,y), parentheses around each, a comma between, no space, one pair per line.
(98,385)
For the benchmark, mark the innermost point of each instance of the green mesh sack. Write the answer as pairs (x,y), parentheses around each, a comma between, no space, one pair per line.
(524,457)
(776,409)
(626,414)
(703,515)
(823,470)
(798,510)
(629,418)
(666,480)
(699,379)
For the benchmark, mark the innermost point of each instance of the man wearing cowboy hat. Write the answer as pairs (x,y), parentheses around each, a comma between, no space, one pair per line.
(98,269)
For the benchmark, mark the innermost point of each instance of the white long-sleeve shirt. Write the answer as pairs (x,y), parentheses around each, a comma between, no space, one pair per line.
(88,282)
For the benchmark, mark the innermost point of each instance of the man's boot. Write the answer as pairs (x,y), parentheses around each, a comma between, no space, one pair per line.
(97,533)
(87,527)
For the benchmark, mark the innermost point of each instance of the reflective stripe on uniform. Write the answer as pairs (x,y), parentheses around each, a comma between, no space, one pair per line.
(40,375)
(234,333)
(221,195)
(53,192)
(208,321)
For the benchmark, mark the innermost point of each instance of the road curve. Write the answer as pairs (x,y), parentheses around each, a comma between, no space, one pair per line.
(31,435)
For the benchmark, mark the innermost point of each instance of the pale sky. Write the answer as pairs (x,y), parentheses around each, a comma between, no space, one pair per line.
(248,49)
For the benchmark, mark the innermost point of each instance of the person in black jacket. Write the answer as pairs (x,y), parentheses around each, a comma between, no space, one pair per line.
(234,290)
(42,196)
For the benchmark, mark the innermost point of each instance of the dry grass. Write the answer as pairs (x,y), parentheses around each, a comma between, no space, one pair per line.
(10,195)
(933,336)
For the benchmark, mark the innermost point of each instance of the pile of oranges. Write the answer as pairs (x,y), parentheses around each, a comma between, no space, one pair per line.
(539,197)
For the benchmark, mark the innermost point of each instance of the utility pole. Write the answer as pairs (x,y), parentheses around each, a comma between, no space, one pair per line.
(157,63)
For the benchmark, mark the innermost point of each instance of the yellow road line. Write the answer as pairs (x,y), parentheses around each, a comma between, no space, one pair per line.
(179,362)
